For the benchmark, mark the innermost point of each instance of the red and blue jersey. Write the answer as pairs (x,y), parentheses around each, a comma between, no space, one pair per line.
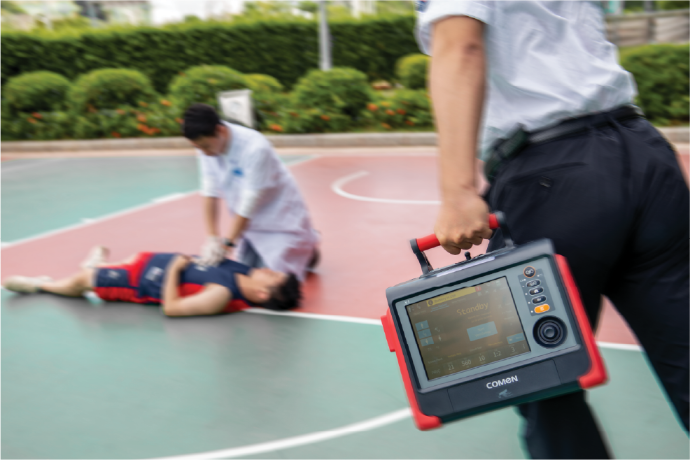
(142,280)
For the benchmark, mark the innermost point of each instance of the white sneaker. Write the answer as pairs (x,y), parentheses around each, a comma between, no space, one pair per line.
(97,256)
(25,284)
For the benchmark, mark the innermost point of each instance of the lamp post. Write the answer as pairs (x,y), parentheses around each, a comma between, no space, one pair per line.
(324,39)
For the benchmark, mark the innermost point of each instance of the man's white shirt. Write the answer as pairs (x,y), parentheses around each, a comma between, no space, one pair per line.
(546,61)
(255,184)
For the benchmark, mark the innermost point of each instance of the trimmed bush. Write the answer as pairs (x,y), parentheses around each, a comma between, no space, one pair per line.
(412,71)
(662,75)
(203,83)
(673,4)
(37,126)
(260,83)
(284,49)
(36,92)
(153,120)
(340,90)
(403,108)
(110,89)
(307,120)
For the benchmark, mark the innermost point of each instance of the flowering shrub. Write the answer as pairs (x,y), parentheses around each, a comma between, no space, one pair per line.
(260,83)
(404,108)
(37,126)
(36,91)
(109,89)
(203,83)
(340,90)
(157,119)
(412,71)
(315,121)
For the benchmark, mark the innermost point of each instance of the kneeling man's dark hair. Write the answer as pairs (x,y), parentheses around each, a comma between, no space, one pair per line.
(200,120)
(285,296)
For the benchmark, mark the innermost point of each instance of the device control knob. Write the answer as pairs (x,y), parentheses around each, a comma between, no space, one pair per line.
(550,332)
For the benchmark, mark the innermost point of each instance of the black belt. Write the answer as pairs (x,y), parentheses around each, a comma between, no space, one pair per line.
(505,149)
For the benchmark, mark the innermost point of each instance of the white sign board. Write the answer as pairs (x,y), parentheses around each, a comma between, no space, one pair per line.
(237,105)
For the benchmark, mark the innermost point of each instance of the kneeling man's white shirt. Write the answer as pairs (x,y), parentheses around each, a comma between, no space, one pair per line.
(255,184)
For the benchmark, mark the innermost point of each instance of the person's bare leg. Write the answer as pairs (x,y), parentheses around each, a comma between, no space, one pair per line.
(72,286)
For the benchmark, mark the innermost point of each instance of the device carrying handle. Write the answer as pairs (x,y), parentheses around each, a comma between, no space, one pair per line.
(430,241)
(419,245)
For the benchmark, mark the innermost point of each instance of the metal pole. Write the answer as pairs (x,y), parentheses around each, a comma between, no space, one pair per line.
(91,11)
(47,14)
(324,38)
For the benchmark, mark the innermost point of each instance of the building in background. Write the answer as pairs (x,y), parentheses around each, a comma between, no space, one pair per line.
(134,12)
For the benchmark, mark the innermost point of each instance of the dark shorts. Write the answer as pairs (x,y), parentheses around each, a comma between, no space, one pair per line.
(121,282)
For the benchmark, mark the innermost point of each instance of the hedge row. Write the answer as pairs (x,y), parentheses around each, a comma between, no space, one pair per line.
(284,50)
(662,74)
(122,103)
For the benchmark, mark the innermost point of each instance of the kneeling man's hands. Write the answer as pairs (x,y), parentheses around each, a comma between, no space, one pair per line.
(212,252)
(462,222)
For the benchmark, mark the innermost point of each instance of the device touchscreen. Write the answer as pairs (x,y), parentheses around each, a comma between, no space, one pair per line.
(467,328)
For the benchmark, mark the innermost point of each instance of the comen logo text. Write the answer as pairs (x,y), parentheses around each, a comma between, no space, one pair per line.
(499,383)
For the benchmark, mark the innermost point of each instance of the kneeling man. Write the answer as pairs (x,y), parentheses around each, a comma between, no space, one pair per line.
(176,282)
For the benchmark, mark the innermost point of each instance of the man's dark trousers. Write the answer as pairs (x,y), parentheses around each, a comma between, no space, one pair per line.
(615,203)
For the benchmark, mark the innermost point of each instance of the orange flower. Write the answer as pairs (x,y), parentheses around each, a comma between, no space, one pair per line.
(166,103)
(409,122)
(325,117)
(275,127)
(182,73)
(386,125)
(294,114)
(142,127)
(372,107)
(154,131)
(143,104)
(37,115)
(141,118)
(31,120)
(115,134)
(401,111)
(390,112)
(179,120)
(120,111)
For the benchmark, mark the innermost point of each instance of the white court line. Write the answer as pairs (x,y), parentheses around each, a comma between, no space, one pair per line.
(620,346)
(89,221)
(171,197)
(343,319)
(8,168)
(338,184)
(287,443)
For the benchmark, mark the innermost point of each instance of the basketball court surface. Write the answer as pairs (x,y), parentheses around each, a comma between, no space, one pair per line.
(82,379)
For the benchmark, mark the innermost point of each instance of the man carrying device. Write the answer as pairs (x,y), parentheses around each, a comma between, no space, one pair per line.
(180,285)
(570,159)
(271,225)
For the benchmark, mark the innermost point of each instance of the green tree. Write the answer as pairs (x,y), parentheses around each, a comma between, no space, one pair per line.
(672,5)
(266,10)
(11,7)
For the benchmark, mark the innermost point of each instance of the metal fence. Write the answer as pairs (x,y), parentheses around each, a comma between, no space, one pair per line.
(642,28)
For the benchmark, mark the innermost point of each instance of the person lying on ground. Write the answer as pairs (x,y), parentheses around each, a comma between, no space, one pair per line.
(174,281)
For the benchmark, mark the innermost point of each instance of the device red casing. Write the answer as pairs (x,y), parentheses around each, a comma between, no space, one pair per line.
(596,374)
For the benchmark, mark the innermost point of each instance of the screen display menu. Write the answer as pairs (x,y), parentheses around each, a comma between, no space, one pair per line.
(467,328)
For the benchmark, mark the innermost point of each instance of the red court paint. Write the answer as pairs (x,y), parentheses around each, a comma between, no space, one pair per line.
(364,245)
